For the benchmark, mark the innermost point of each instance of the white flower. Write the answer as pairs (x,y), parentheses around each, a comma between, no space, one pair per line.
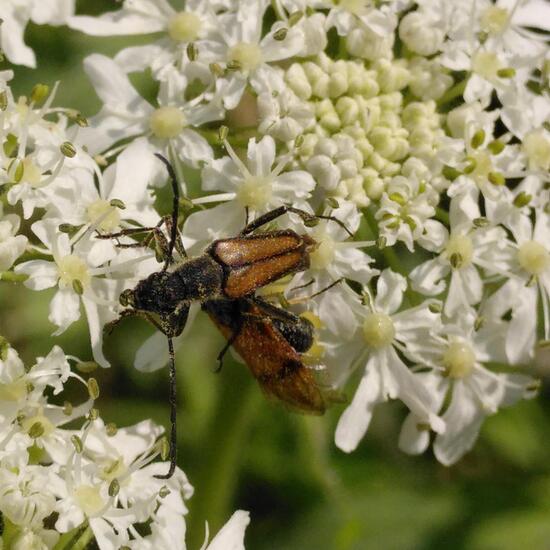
(25,497)
(259,185)
(456,361)
(17,13)
(231,535)
(126,114)
(462,250)
(528,273)
(11,245)
(380,332)
(405,209)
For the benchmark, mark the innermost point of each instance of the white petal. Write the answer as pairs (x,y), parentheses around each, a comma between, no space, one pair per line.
(231,535)
(390,288)
(192,148)
(11,37)
(463,419)
(428,278)
(261,156)
(355,420)
(41,274)
(412,440)
(522,332)
(112,84)
(64,309)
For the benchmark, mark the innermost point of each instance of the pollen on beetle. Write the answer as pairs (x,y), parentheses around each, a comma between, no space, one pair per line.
(378,330)
(167,122)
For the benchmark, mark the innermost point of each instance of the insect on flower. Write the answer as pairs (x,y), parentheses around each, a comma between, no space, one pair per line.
(224,279)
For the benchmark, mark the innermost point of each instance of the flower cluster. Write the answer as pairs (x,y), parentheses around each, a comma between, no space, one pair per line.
(97,481)
(421,126)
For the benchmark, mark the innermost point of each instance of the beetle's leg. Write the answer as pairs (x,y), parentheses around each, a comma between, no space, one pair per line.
(281,210)
(175,209)
(179,246)
(173,414)
(225,349)
(108,328)
(293,301)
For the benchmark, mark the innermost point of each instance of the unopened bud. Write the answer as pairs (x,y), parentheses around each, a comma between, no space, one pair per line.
(293,18)
(86,366)
(16,170)
(496,147)
(3,100)
(117,203)
(508,72)
(192,51)
(67,408)
(311,222)
(111,429)
(496,178)
(39,92)
(164,448)
(435,307)
(522,199)
(456,260)
(36,430)
(477,139)
(114,488)
(77,443)
(223,132)
(280,34)
(216,69)
(78,287)
(233,65)
(4,347)
(481,222)
(450,173)
(93,388)
(68,149)
(81,120)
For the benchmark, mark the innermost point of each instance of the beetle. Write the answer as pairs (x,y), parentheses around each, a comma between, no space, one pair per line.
(271,342)
(230,269)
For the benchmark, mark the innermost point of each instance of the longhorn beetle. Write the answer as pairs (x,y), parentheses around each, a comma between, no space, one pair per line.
(229,269)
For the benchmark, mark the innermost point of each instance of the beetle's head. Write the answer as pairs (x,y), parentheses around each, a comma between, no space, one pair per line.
(156,294)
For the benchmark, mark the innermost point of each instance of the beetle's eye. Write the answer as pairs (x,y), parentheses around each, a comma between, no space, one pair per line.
(126,298)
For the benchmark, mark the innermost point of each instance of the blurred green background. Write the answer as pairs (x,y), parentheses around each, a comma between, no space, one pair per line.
(240,451)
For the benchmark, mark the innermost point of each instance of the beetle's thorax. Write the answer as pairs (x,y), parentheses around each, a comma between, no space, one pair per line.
(201,278)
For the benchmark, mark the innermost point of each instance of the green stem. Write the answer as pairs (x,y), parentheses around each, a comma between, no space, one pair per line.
(442,215)
(11,277)
(223,456)
(213,138)
(77,539)
(452,93)
(388,252)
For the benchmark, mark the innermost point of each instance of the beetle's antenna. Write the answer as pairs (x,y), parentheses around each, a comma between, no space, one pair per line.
(175,209)
(173,413)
